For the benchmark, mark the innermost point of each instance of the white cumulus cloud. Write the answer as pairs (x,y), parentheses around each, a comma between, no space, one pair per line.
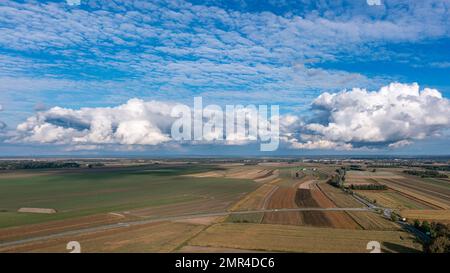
(320,144)
(393,116)
(134,123)
(400,144)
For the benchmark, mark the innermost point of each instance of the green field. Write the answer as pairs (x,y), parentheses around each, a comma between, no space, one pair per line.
(84,192)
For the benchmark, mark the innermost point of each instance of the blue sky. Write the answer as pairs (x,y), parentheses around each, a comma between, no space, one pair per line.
(101,54)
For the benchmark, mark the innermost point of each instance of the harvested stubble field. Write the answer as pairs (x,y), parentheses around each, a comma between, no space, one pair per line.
(338,197)
(156,237)
(372,221)
(421,190)
(428,215)
(300,239)
(393,199)
(239,172)
(379,174)
(87,198)
(410,191)
(367,177)
(257,199)
(203,249)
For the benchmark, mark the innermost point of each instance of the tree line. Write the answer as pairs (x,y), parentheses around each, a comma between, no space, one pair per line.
(424,174)
(368,187)
(16,165)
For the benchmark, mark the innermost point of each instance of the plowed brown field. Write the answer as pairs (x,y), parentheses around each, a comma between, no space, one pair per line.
(283,197)
(306,194)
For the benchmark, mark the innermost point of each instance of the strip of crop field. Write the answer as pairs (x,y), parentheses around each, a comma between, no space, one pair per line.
(394,199)
(429,215)
(304,193)
(301,239)
(155,237)
(418,192)
(255,199)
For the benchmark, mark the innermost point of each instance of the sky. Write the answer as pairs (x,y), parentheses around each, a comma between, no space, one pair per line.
(101,77)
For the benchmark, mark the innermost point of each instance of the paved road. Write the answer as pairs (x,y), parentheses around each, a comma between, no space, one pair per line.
(173,218)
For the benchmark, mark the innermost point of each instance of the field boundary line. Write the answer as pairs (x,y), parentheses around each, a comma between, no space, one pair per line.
(269,196)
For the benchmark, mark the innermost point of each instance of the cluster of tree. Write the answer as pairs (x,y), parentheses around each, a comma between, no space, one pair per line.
(356,168)
(439,234)
(338,178)
(383,165)
(424,174)
(368,187)
(37,165)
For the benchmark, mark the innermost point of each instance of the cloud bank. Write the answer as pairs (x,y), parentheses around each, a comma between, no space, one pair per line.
(134,123)
(393,117)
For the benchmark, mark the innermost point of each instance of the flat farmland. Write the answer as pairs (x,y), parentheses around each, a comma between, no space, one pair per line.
(88,192)
(428,215)
(257,199)
(304,193)
(367,177)
(57,226)
(372,221)
(410,191)
(239,172)
(338,197)
(283,197)
(281,238)
(393,199)
(193,207)
(156,237)
(422,189)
